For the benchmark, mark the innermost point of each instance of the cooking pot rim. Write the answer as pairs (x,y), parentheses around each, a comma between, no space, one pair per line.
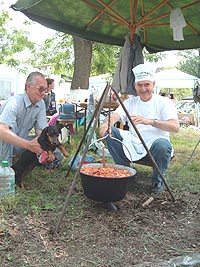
(131,170)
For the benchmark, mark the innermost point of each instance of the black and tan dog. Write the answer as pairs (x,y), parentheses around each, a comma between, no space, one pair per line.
(49,141)
(28,161)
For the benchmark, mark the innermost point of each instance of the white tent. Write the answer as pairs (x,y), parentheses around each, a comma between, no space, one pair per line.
(99,82)
(174,78)
(11,81)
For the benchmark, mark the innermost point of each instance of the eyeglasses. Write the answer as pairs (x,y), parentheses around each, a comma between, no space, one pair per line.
(41,89)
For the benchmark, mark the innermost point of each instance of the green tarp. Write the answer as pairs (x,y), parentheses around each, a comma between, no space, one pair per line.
(109,21)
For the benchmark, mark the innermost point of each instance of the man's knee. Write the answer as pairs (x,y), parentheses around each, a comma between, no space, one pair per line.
(116,133)
(162,145)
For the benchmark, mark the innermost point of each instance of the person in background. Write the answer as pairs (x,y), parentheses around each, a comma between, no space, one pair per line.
(162,93)
(154,116)
(50,98)
(171,96)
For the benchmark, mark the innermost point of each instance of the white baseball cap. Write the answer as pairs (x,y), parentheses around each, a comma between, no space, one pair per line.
(144,72)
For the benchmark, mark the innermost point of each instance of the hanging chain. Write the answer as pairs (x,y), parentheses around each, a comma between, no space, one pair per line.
(109,110)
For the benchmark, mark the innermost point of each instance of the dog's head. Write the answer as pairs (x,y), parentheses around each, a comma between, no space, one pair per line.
(50,135)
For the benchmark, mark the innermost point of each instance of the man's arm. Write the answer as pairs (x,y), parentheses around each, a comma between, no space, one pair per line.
(11,138)
(114,117)
(171,125)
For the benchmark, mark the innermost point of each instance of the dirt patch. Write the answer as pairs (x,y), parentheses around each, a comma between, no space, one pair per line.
(92,236)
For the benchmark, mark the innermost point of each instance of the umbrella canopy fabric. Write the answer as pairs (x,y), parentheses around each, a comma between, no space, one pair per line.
(109,21)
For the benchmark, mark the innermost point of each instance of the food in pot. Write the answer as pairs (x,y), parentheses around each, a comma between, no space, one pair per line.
(106,172)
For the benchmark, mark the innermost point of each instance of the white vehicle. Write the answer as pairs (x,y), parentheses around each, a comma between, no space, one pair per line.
(188,111)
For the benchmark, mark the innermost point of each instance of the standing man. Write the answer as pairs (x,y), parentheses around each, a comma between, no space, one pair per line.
(19,116)
(154,116)
(50,99)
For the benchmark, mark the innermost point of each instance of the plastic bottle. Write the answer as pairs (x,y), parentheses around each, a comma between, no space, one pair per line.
(7,179)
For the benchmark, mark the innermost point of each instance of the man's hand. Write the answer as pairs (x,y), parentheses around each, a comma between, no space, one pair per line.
(114,117)
(104,129)
(34,146)
(141,120)
(11,138)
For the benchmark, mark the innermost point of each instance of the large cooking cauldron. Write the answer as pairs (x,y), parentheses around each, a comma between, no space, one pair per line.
(105,189)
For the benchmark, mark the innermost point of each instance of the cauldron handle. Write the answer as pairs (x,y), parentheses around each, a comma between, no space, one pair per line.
(102,138)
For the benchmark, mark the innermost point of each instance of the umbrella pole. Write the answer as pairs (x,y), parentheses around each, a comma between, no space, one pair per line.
(94,118)
(132,25)
(146,148)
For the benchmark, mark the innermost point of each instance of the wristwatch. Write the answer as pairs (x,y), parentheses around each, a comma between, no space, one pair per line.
(155,122)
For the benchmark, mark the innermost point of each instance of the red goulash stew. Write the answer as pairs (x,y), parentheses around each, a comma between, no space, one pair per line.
(106,172)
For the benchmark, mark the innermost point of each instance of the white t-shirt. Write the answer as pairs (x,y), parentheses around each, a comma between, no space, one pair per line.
(159,107)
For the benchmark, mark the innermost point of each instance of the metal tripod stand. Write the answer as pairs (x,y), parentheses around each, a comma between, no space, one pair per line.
(94,121)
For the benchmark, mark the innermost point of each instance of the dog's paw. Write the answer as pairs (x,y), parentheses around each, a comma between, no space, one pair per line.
(64,151)
(20,185)
(66,154)
(50,157)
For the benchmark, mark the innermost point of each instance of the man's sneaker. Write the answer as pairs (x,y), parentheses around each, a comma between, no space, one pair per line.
(158,187)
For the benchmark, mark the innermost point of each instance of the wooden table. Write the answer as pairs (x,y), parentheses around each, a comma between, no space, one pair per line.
(107,107)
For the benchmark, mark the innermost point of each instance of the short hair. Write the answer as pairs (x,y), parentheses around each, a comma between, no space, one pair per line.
(31,77)
(49,81)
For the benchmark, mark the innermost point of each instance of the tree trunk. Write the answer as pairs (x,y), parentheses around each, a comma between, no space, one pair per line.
(82,64)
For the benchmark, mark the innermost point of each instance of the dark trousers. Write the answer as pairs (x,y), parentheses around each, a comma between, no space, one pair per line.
(160,150)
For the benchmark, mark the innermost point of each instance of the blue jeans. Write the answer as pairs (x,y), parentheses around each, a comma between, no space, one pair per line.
(160,150)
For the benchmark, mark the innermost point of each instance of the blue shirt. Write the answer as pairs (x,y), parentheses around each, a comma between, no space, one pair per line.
(21,116)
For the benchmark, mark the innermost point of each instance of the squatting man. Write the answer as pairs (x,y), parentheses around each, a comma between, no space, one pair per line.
(154,116)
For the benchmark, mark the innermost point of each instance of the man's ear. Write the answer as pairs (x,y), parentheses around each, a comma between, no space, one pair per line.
(27,86)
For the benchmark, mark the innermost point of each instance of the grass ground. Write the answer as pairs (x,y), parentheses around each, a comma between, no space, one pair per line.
(90,235)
